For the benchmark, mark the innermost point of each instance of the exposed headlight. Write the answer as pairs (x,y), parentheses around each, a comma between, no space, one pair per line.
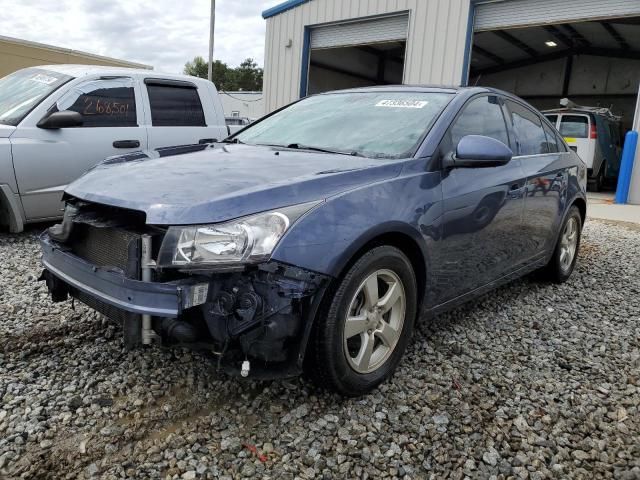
(245,240)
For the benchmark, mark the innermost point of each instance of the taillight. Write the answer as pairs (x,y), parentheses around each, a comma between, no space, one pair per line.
(593,133)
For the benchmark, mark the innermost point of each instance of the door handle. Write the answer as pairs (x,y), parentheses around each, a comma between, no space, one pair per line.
(207,140)
(126,144)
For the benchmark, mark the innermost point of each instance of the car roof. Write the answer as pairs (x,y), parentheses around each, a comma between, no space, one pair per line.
(428,89)
(84,70)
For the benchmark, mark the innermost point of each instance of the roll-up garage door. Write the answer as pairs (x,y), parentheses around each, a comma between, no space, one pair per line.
(518,13)
(386,29)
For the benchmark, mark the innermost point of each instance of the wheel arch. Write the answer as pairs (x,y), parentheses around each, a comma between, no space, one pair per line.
(10,212)
(402,239)
(582,207)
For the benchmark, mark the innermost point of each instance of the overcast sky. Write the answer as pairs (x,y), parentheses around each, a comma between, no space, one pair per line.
(161,33)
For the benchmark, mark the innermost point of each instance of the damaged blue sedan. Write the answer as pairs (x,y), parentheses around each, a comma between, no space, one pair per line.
(313,239)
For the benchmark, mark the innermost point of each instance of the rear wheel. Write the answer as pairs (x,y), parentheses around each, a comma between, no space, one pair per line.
(598,183)
(565,254)
(363,329)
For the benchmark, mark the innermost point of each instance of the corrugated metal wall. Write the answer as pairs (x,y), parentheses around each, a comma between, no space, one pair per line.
(385,29)
(435,43)
(517,13)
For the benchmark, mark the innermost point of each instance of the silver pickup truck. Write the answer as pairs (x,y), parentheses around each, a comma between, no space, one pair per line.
(58,121)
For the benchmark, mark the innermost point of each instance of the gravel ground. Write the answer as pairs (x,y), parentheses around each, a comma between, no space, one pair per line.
(533,381)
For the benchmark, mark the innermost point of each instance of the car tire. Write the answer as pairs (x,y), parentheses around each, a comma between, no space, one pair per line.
(560,266)
(359,337)
(598,182)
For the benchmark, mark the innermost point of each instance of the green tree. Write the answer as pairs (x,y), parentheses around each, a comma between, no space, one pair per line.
(222,74)
(247,77)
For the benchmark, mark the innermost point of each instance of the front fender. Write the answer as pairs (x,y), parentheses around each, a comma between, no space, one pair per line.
(328,237)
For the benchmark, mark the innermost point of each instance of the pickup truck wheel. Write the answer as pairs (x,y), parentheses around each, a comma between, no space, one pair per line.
(363,329)
(565,254)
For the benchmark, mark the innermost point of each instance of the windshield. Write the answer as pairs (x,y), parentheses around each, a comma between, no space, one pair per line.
(373,124)
(21,91)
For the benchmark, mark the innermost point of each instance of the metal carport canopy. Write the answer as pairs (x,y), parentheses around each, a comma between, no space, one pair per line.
(521,13)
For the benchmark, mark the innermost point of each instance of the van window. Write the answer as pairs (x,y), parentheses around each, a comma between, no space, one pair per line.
(576,126)
(553,119)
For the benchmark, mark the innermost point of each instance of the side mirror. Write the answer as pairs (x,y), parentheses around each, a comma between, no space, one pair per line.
(475,151)
(64,119)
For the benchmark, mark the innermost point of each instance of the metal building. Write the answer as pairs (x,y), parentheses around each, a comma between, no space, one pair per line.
(16,54)
(242,104)
(542,50)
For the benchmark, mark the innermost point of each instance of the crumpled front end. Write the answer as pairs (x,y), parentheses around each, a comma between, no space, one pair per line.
(255,319)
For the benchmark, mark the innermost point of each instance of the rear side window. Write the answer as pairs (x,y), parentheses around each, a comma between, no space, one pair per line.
(576,126)
(173,106)
(553,119)
(552,141)
(102,103)
(528,127)
(481,116)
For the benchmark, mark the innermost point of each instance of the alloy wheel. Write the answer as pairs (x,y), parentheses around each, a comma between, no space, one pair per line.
(568,243)
(374,321)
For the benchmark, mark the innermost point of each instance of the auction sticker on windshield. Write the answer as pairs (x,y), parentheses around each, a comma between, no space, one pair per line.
(402,103)
(46,79)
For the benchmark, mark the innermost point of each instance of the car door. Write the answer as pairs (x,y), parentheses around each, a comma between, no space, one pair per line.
(46,160)
(176,114)
(545,165)
(482,207)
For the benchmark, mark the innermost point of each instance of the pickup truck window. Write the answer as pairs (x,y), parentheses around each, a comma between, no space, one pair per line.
(175,106)
(102,103)
(23,90)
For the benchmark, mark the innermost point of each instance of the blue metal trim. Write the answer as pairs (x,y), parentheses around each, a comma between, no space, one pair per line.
(467,46)
(304,72)
(283,7)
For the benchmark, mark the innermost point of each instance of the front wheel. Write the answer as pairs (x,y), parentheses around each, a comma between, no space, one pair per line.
(362,331)
(565,254)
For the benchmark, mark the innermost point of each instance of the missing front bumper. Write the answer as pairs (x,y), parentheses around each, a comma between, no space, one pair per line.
(264,314)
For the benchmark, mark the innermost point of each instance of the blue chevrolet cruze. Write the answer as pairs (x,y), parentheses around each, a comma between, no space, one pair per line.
(312,240)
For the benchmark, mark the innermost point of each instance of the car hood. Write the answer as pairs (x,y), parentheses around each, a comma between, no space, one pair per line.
(6,130)
(224,182)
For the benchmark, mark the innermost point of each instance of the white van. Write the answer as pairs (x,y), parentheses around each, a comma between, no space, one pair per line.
(595,135)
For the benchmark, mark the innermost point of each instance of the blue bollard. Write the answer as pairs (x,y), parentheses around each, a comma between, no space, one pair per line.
(626,166)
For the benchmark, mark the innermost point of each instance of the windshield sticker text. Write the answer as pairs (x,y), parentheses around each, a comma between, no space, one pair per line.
(46,79)
(402,103)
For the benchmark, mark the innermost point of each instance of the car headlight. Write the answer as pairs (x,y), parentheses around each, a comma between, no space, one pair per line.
(244,240)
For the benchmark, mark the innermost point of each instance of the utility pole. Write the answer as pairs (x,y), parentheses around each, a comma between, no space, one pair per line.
(211,30)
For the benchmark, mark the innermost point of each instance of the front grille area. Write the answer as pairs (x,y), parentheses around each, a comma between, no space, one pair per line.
(107,247)
(105,309)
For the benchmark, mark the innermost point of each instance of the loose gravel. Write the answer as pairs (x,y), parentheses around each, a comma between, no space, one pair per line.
(532,381)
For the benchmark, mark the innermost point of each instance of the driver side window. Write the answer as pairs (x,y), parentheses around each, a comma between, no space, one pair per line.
(481,116)
(102,103)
